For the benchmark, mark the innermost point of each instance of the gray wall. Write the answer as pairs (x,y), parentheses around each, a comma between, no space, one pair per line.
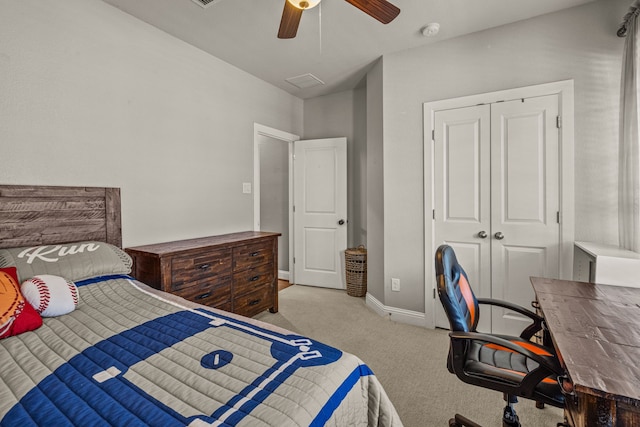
(375,184)
(274,193)
(337,115)
(578,43)
(353,114)
(92,96)
(358,168)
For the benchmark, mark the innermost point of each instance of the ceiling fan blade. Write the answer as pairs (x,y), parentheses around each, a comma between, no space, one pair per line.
(290,20)
(382,10)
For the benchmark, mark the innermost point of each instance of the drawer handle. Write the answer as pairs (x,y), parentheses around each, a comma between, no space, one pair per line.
(254,302)
(204,266)
(203,296)
(254,278)
(254,254)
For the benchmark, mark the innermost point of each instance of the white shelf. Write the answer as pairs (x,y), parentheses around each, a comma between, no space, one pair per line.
(606,264)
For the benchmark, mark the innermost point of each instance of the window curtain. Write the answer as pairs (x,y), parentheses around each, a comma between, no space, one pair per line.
(629,152)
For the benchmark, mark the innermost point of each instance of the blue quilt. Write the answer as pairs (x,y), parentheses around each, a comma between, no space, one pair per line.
(128,356)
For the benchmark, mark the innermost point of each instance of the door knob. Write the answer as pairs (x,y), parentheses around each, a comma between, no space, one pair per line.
(499,235)
(482,234)
(341,222)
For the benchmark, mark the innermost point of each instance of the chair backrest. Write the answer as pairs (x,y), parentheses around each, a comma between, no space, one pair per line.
(457,297)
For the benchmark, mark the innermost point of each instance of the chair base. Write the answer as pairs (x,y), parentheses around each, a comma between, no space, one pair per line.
(509,419)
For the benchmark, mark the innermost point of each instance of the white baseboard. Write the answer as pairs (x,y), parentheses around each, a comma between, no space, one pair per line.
(396,314)
(283,275)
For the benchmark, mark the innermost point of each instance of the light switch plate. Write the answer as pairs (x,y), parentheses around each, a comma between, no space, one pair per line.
(246,187)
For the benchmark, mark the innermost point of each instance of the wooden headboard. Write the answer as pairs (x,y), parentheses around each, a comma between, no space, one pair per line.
(47,215)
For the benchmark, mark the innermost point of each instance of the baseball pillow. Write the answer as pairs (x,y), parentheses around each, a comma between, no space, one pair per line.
(50,295)
(16,314)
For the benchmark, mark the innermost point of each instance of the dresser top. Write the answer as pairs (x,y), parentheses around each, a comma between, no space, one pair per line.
(190,244)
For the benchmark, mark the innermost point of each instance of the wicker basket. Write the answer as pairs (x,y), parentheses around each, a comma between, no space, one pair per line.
(356,269)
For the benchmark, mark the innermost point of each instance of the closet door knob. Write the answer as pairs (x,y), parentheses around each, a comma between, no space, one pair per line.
(499,235)
(482,234)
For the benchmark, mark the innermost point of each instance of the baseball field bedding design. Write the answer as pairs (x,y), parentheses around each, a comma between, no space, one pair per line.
(129,355)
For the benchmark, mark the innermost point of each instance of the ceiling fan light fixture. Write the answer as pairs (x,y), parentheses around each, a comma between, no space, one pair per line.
(304,4)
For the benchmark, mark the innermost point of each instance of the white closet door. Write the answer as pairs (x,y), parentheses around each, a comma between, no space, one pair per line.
(524,202)
(496,200)
(462,195)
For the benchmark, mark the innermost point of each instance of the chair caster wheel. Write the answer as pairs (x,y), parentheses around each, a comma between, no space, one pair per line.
(510,418)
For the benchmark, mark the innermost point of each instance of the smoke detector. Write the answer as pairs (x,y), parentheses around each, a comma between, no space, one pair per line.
(430,30)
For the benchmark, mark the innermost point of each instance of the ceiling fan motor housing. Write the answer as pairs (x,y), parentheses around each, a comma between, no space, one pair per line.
(304,4)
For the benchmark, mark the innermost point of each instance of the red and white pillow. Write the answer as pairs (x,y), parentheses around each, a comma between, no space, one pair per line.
(16,313)
(50,295)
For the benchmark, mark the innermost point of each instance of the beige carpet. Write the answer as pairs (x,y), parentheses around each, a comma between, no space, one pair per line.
(409,361)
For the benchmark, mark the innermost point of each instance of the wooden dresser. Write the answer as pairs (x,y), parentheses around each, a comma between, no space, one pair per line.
(235,272)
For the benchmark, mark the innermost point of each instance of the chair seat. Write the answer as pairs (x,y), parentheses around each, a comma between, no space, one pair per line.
(492,362)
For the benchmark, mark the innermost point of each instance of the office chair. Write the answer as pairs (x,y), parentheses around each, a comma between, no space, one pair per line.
(513,365)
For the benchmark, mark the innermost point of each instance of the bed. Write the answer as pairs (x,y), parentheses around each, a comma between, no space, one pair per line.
(127,354)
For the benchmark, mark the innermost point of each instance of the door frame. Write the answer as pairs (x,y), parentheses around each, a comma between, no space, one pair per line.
(287,138)
(564,90)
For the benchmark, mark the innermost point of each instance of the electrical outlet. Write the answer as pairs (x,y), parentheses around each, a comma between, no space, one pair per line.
(246,187)
(395,285)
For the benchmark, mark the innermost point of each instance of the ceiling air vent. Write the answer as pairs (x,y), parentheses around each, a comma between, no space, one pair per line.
(205,3)
(305,81)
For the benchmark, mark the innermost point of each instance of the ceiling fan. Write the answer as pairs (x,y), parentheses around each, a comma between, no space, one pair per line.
(381,10)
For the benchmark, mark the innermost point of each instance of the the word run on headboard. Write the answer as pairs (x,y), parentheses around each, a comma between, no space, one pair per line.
(46,215)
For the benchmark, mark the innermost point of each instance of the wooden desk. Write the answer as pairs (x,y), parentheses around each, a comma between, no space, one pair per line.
(596,331)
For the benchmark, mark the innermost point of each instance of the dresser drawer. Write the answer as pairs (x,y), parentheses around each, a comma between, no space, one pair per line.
(227,306)
(206,293)
(253,303)
(252,279)
(252,255)
(193,267)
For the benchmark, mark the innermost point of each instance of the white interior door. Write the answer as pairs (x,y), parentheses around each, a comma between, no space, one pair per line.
(496,200)
(524,203)
(462,213)
(320,211)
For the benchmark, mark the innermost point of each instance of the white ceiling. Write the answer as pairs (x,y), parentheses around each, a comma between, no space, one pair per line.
(336,42)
